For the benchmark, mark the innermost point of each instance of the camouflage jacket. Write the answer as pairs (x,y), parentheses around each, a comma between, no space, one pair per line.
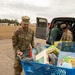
(67,36)
(21,39)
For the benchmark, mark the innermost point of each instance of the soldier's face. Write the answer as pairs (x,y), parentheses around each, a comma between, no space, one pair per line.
(25,26)
(63,29)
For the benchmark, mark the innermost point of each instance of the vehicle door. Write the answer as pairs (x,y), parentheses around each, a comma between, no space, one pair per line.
(41,28)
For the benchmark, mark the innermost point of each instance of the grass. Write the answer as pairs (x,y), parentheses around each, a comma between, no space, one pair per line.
(6,32)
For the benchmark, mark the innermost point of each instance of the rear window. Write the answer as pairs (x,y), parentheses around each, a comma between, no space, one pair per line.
(68,22)
(42,23)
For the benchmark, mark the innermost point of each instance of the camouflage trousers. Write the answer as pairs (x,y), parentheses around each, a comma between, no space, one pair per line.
(17,63)
(17,66)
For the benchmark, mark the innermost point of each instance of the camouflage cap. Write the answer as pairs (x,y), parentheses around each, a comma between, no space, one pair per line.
(25,19)
(63,25)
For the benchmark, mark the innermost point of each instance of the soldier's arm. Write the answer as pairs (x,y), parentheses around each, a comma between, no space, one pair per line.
(15,42)
(32,41)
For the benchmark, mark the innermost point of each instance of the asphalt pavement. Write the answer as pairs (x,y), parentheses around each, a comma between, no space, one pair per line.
(7,56)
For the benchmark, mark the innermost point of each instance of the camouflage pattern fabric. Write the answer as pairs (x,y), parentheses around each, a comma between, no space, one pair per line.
(67,36)
(21,41)
(17,66)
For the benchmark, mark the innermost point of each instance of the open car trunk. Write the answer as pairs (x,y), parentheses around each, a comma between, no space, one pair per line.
(70,22)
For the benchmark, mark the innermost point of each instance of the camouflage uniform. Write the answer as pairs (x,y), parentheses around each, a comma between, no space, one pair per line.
(21,41)
(67,34)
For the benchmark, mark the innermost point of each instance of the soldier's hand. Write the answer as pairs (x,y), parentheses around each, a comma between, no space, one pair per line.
(20,53)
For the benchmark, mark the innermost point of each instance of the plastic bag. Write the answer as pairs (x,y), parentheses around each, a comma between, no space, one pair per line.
(39,47)
(53,59)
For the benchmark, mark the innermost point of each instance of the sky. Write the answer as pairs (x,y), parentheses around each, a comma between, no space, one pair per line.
(49,9)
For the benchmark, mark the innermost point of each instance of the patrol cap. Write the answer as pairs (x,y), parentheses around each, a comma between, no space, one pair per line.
(25,19)
(63,25)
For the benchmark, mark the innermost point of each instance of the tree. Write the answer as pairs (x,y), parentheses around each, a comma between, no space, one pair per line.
(9,21)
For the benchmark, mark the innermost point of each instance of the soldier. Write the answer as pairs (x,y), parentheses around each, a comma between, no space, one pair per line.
(67,34)
(21,41)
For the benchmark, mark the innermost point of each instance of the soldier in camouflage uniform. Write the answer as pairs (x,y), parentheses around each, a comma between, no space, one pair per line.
(67,34)
(21,40)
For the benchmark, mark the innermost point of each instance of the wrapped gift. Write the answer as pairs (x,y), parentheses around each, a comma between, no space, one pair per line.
(68,46)
(53,49)
(65,46)
(66,59)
